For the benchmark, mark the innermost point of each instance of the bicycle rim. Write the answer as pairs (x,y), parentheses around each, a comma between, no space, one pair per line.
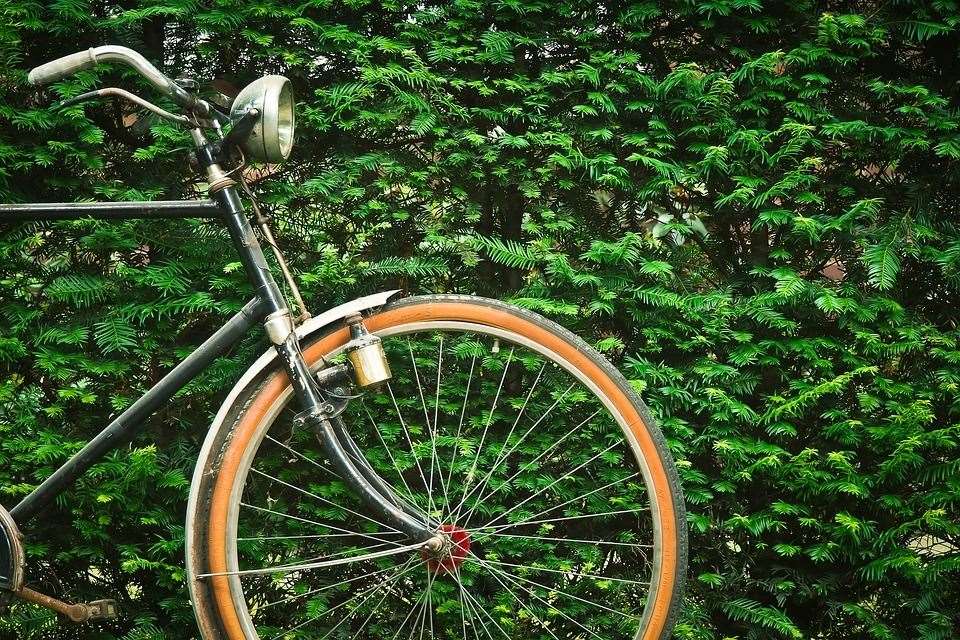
(561,529)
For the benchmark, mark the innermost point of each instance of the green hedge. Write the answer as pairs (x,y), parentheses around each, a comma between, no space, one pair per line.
(750,206)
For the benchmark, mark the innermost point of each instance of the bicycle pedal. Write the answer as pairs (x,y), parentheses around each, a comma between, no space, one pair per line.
(102,609)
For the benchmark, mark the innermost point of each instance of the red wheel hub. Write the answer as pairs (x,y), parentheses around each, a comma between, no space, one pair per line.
(454,552)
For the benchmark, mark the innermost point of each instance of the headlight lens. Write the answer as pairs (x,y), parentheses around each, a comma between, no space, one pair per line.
(271,140)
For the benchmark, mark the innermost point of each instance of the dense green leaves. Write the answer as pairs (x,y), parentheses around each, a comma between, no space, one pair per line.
(750,206)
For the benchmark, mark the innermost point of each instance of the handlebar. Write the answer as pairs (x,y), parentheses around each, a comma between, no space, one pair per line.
(75,62)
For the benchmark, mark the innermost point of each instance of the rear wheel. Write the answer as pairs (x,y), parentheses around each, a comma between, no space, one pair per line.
(557,498)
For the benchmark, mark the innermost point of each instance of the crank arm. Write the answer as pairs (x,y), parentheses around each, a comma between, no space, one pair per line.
(79,612)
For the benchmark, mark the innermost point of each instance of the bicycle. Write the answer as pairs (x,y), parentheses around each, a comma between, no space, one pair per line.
(444,465)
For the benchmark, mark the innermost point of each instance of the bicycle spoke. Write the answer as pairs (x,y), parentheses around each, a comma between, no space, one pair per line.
(321,589)
(393,461)
(517,444)
(307,566)
(406,433)
(475,615)
(282,567)
(463,412)
(463,606)
(314,522)
(515,577)
(494,571)
(374,609)
(422,618)
(467,607)
(573,540)
(498,460)
(553,484)
(524,606)
(486,427)
(435,459)
(426,420)
(580,497)
(372,589)
(316,535)
(413,608)
(479,607)
(561,572)
(300,455)
(560,519)
(524,466)
(322,499)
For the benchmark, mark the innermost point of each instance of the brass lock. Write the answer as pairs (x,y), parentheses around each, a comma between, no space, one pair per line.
(366,355)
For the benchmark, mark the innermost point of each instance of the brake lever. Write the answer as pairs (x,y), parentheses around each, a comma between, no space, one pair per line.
(126,95)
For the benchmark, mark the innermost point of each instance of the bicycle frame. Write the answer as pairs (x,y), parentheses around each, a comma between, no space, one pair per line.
(267,308)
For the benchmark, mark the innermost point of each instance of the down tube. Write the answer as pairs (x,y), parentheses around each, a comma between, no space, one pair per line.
(131,421)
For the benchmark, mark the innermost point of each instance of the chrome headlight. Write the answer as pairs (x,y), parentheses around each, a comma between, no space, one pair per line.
(271,140)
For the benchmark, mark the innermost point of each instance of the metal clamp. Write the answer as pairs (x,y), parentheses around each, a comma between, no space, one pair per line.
(278,325)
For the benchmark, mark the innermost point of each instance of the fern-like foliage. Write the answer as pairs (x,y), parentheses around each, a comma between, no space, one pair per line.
(750,207)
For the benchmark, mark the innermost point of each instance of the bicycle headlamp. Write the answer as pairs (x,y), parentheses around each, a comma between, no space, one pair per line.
(271,139)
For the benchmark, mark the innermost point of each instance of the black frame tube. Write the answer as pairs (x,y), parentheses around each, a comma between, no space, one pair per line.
(226,205)
(39,211)
(133,420)
(360,461)
(368,492)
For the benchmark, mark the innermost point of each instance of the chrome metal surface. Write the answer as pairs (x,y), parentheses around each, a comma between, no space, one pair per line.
(57,69)
(271,138)
(36,211)
(366,354)
(278,326)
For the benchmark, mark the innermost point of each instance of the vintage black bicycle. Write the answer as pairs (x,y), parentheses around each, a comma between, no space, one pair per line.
(438,466)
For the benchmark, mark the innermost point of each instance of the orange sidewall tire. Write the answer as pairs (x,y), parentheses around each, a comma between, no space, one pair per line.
(273,388)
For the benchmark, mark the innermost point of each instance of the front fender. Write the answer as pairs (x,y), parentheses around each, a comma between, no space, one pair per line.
(262,364)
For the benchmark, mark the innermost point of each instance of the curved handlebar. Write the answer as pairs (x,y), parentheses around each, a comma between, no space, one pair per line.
(62,67)
(71,64)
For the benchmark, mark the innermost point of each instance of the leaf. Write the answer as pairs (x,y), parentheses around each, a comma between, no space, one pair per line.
(883,264)
(115,334)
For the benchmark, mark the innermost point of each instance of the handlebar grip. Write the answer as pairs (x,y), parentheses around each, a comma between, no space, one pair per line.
(62,67)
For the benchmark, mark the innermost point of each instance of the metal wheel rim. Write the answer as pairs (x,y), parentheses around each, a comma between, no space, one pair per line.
(269,417)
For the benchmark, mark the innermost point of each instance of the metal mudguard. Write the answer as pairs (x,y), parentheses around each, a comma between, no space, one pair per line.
(311,326)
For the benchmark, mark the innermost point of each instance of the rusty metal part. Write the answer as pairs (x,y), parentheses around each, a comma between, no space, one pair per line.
(79,612)
(219,184)
(263,222)
(75,612)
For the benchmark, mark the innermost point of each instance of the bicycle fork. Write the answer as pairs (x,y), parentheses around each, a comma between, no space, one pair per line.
(368,365)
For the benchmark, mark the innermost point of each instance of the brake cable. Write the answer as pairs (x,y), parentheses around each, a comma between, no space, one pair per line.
(263,223)
(245,124)
(126,95)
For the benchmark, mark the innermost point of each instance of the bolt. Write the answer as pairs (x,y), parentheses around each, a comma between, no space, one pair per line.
(436,543)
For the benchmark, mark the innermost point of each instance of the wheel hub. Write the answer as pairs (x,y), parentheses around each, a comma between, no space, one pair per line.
(453,551)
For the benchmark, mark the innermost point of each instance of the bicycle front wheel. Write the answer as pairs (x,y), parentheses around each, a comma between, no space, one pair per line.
(554,487)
